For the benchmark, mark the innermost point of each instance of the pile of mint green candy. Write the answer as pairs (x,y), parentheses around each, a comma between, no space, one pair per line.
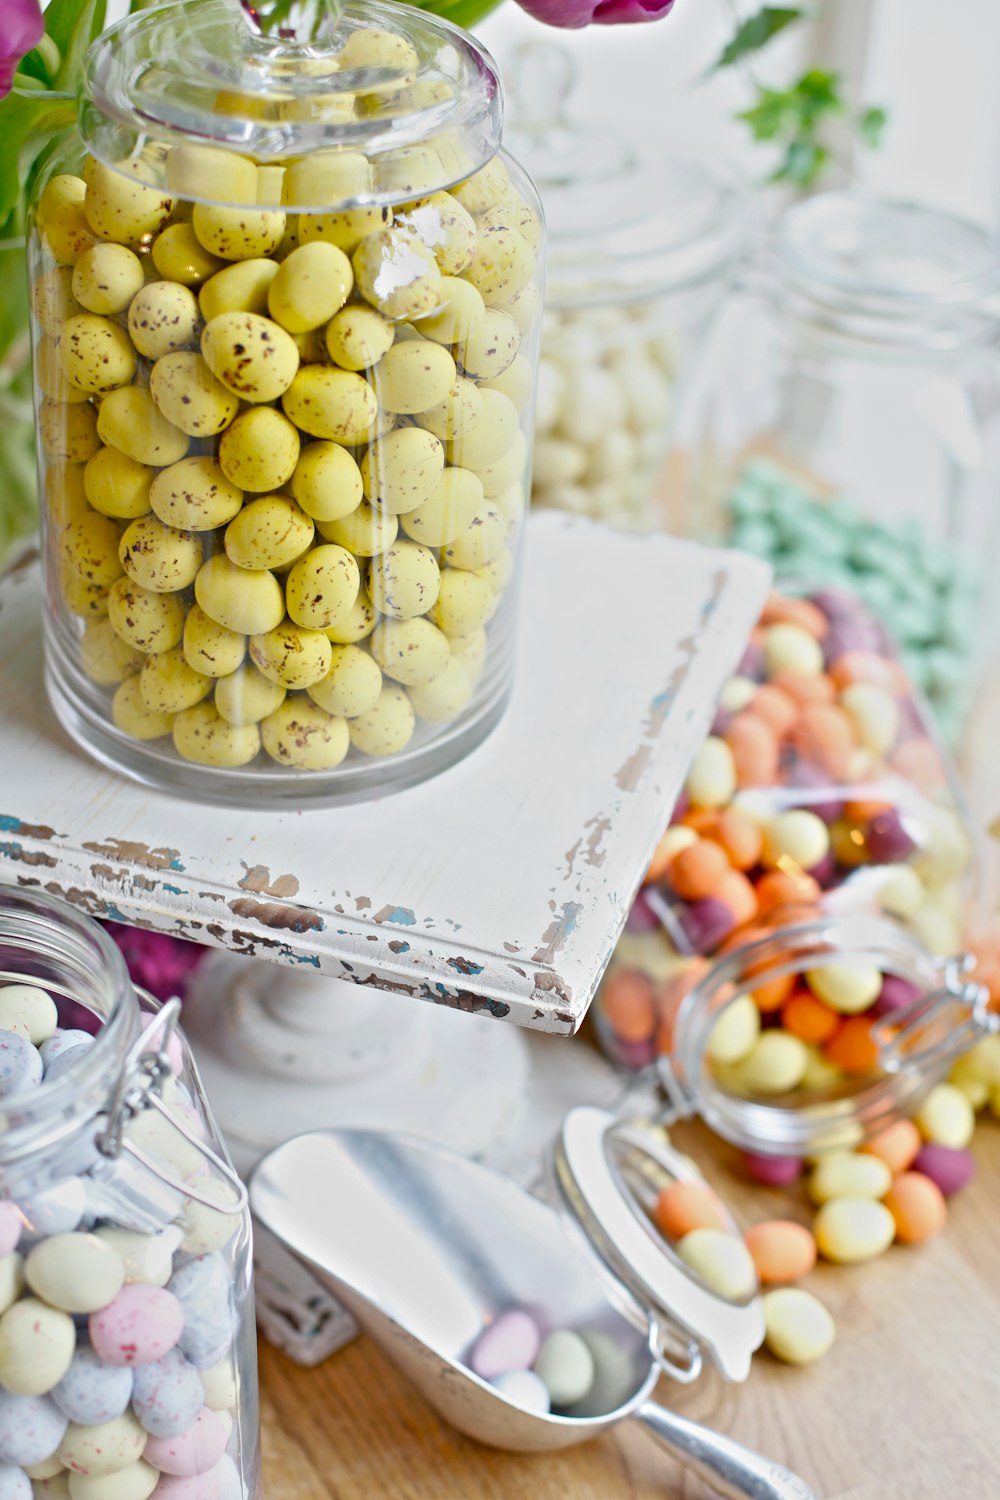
(924,591)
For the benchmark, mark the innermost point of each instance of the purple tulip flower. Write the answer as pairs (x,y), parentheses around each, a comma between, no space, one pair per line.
(572,14)
(21,29)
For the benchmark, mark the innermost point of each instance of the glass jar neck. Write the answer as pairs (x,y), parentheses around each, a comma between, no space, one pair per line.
(45,941)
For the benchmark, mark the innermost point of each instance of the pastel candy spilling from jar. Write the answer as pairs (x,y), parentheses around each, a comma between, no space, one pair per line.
(117,1360)
(606,385)
(286,452)
(924,589)
(546,1371)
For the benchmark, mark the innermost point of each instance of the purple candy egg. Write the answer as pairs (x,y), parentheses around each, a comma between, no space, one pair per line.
(910,721)
(809,778)
(752,662)
(705,923)
(847,635)
(680,808)
(634,1055)
(772,1171)
(895,994)
(510,1342)
(835,603)
(888,841)
(825,873)
(721,722)
(947,1166)
(642,917)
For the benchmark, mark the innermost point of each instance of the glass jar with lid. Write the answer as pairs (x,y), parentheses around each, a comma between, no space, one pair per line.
(642,250)
(127,1340)
(286,292)
(860,371)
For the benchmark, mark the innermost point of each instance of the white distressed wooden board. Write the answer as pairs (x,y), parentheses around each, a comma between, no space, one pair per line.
(499,886)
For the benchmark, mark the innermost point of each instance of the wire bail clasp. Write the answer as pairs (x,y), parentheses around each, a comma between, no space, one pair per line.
(939,1026)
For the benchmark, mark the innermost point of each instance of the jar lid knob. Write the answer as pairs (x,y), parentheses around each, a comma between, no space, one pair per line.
(300,22)
(541,76)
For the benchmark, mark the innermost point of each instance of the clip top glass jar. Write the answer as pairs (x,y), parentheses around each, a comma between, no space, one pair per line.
(286,299)
(642,249)
(127,1339)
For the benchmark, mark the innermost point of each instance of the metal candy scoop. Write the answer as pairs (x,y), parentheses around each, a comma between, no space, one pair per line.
(426,1247)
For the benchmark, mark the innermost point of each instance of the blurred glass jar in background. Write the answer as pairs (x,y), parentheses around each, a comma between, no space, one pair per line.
(642,250)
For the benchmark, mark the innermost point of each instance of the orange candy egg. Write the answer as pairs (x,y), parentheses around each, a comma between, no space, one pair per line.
(740,836)
(627,997)
(780,610)
(785,888)
(702,820)
(697,871)
(755,750)
(917,1205)
(805,691)
(868,666)
(737,892)
(825,735)
(808,1018)
(896,1145)
(684,1206)
(781,1250)
(851,1047)
(772,994)
(776,707)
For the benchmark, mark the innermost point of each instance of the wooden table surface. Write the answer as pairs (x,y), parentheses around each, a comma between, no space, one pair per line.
(904,1407)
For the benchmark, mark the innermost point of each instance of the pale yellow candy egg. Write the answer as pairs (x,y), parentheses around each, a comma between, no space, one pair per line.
(242,287)
(387,727)
(11,1279)
(220,1386)
(846,987)
(90,546)
(116,485)
(367,531)
(162,318)
(327,481)
(413,376)
(202,735)
(36,1347)
(147,1258)
(445,696)
(797,1327)
(464,603)
(106,659)
(160,557)
(238,233)
(790,648)
(797,837)
(312,284)
(291,655)
(77,1273)
(190,396)
(486,188)
(374,47)
(305,736)
(252,356)
(345,228)
(179,256)
(169,683)
(446,228)
(129,420)
(49,375)
(458,310)
(329,403)
(488,438)
(516,382)
(510,215)
(509,469)
(455,413)
(259,450)
(721,1261)
(351,685)
(327,177)
(448,512)
(412,652)
(850,1230)
(95,354)
(470,651)
(711,781)
(246,696)
(321,587)
(482,540)
(64,493)
(355,623)
(106,278)
(490,345)
(209,172)
(68,430)
(29,1007)
(52,299)
(504,263)
(846,1174)
(145,620)
(135,1482)
(735,1033)
(402,470)
(404,580)
(874,713)
(105,1448)
(210,647)
(246,601)
(776,1064)
(124,204)
(194,495)
(268,533)
(396,274)
(357,337)
(130,714)
(946,1117)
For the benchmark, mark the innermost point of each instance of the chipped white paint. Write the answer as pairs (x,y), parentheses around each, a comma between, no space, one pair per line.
(501,885)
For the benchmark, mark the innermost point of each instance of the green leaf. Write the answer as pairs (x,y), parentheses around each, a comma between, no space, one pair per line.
(28,123)
(80,22)
(756,31)
(803,163)
(871,126)
(774,114)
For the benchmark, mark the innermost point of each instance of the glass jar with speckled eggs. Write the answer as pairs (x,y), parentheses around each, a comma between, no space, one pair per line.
(286,293)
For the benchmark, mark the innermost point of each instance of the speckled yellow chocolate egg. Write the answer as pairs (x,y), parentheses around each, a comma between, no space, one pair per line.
(504,263)
(129,420)
(66,234)
(162,318)
(194,495)
(96,355)
(396,274)
(330,403)
(485,188)
(259,450)
(497,572)
(106,278)
(52,299)
(145,620)
(303,735)
(404,580)
(445,696)
(209,172)
(80,595)
(344,228)
(355,623)
(402,470)
(123,203)
(387,727)
(357,337)
(327,481)
(268,533)
(210,647)
(179,256)
(507,470)
(470,651)
(483,539)
(291,655)
(250,355)
(105,657)
(90,546)
(246,697)
(312,284)
(448,512)
(188,394)
(352,683)
(410,651)
(464,603)
(449,418)
(242,287)
(446,228)
(244,600)
(160,557)
(202,735)
(169,683)
(413,376)
(490,437)
(130,714)
(459,310)
(327,177)
(64,493)
(490,345)
(68,430)
(117,485)
(238,233)
(322,586)
(367,531)
(373,47)
(516,382)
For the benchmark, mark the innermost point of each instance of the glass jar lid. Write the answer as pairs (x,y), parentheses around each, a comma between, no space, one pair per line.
(888,270)
(412,100)
(623,225)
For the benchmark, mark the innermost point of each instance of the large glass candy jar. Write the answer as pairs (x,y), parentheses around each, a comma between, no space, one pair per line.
(285,297)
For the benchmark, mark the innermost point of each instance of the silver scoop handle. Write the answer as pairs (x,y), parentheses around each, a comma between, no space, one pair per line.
(726,1466)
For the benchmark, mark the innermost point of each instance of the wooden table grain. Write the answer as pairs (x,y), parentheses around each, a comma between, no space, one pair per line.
(904,1407)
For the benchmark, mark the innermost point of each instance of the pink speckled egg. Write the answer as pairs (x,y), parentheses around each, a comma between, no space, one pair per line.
(196,1487)
(194,1452)
(141,1325)
(510,1342)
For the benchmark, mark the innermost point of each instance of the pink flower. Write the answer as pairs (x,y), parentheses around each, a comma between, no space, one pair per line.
(572,14)
(21,29)
(158,962)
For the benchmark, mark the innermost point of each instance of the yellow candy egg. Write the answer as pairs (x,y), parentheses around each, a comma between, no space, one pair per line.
(850,1230)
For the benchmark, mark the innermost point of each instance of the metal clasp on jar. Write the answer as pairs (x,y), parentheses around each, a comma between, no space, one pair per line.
(939,1026)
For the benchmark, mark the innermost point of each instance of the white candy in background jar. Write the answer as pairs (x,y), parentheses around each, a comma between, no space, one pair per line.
(641,252)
